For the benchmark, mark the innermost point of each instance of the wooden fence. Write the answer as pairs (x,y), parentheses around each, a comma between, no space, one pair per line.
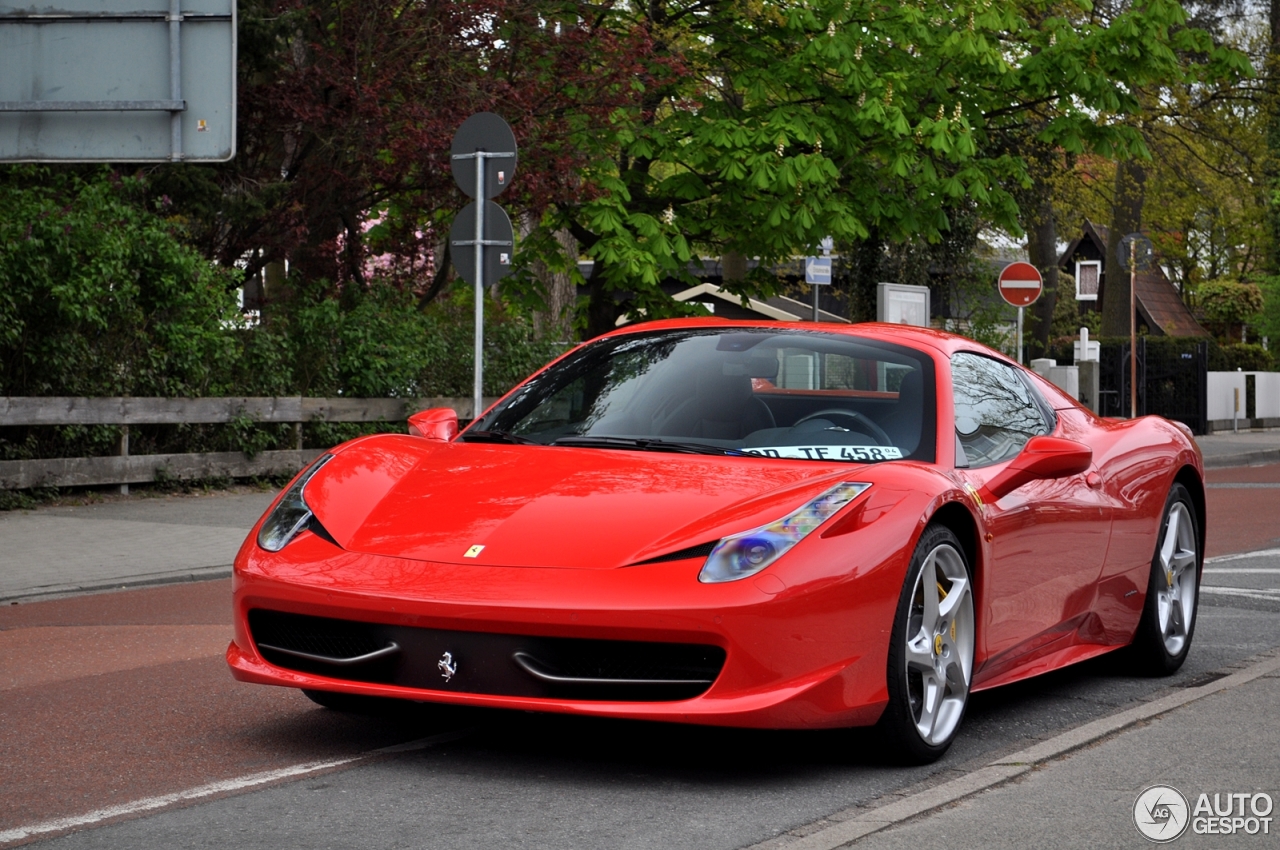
(124,468)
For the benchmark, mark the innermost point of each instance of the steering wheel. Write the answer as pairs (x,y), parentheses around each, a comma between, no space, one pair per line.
(861,419)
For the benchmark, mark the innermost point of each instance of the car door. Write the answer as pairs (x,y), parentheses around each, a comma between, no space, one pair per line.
(1049,538)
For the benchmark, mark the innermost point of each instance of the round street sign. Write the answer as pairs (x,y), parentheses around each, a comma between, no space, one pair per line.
(1138,247)
(1020,284)
(485,132)
(498,235)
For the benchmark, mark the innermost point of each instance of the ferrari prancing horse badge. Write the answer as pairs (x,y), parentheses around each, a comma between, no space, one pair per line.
(448,667)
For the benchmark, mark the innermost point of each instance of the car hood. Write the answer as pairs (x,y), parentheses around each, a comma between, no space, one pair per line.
(543,506)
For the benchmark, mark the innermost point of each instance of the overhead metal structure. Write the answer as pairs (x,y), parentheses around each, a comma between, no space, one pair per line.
(118,81)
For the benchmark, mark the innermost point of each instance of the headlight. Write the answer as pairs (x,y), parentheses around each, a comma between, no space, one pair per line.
(291,514)
(746,554)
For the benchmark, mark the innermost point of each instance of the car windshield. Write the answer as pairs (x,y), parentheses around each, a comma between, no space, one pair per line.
(772,393)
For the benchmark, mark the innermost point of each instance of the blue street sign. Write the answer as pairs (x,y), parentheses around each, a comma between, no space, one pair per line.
(817,270)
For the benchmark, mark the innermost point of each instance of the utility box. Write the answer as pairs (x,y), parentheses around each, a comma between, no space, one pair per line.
(900,304)
(1086,350)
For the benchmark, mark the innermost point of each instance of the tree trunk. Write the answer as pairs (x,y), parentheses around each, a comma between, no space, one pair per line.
(602,309)
(733,267)
(274,288)
(1126,218)
(1042,251)
(556,323)
(1271,162)
(864,261)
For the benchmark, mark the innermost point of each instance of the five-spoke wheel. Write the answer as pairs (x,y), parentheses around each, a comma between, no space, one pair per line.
(1169,616)
(931,650)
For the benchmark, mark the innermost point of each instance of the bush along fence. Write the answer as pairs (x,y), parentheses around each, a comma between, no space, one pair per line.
(125,469)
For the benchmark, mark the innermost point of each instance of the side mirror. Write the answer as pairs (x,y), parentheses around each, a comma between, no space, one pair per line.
(435,423)
(1042,458)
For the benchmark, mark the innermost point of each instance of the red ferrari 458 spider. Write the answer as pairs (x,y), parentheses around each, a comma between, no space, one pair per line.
(734,523)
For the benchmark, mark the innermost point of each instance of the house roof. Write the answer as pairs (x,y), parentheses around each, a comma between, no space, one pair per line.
(1159,304)
(779,307)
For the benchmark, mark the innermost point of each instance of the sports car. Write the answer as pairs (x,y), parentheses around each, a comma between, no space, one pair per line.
(745,524)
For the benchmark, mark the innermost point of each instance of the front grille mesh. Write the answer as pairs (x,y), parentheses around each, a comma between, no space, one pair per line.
(313,635)
(647,661)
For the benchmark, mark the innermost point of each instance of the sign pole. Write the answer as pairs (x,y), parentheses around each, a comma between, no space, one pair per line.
(1020,284)
(1020,309)
(484,138)
(477,395)
(1133,330)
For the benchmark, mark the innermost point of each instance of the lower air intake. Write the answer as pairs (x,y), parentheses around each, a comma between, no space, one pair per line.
(485,663)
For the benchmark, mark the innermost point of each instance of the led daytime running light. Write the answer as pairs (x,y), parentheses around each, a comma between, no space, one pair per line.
(741,555)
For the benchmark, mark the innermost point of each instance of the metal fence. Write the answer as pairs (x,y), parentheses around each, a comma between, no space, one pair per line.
(124,468)
(1172,381)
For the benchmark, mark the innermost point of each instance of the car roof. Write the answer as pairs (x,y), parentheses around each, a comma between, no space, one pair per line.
(916,337)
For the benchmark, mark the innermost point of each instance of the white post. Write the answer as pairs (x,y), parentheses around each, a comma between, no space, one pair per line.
(124,452)
(477,402)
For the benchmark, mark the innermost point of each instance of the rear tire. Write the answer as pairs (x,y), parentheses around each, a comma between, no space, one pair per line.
(1168,622)
(931,651)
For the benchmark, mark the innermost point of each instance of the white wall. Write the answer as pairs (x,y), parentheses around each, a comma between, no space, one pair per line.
(1267,393)
(1221,398)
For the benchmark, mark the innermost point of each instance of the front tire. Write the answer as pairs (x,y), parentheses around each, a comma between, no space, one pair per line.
(931,650)
(1168,622)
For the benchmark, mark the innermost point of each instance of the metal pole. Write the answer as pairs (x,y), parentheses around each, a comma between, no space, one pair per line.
(1020,336)
(1133,329)
(815,302)
(477,401)
(175,78)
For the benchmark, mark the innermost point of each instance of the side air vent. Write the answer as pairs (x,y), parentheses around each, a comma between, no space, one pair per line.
(702,550)
(321,645)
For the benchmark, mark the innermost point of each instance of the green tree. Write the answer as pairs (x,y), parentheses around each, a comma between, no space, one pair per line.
(767,125)
(101,297)
(1227,305)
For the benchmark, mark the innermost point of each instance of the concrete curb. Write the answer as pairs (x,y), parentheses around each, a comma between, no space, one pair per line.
(1012,766)
(54,591)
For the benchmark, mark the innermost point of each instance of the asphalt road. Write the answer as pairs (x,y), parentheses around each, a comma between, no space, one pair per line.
(113,704)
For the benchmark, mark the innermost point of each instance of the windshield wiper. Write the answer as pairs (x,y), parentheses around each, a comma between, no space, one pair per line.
(643,444)
(496,436)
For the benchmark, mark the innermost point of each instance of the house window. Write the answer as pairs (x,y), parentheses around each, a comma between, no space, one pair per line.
(1087,274)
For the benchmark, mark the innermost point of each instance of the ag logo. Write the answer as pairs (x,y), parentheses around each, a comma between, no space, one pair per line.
(1161,813)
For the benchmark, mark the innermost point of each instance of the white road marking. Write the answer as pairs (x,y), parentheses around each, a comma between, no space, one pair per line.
(224,786)
(862,821)
(1261,553)
(1265,595)
(1247,485)
(1253,571)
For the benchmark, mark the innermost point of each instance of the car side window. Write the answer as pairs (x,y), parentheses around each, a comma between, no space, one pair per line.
(996,412)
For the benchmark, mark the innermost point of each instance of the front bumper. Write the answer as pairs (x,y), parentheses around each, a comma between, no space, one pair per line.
(808,652)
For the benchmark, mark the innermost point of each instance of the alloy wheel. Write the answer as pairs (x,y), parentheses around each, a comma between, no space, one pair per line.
(1176,600)
(939,645)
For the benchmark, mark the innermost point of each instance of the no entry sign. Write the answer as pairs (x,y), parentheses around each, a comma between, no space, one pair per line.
(1020,284)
